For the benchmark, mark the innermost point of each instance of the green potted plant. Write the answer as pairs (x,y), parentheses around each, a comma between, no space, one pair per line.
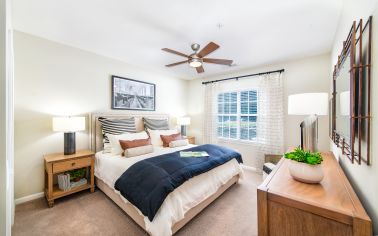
(305,166)
(77,174)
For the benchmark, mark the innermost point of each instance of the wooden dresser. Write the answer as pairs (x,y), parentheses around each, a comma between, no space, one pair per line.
(289,207)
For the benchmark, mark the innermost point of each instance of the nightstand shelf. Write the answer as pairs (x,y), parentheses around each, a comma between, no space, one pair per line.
(57,193)
(60,163)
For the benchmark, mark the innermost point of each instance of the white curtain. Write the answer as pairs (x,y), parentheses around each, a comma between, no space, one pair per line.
(270,121)
(210,110)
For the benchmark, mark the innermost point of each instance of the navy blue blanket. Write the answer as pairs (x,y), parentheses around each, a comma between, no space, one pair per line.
(147,183)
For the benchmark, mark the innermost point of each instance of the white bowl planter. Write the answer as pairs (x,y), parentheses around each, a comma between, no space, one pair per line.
(306,173)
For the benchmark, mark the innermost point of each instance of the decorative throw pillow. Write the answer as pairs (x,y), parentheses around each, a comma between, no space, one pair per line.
(116,126)
(114,140)
(137,151)
(169,138)
(179,143)
(155,124)
(155,136)
(127,144)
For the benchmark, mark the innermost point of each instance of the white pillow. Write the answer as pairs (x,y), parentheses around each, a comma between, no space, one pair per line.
(178,143)
(107,148)
(155,136)
(114,140)
(137,151)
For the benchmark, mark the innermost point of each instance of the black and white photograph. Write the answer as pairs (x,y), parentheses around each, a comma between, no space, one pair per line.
(129,94)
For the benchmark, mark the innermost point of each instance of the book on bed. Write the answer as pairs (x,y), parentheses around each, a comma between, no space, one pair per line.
(194,154)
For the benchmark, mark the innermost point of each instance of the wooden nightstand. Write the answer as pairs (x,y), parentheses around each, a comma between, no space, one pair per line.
(191,139)
(59,163)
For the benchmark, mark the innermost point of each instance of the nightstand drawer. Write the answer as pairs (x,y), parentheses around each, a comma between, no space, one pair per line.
(71,164)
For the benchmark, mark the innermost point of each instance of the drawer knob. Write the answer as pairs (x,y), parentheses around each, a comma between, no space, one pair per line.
(73,163)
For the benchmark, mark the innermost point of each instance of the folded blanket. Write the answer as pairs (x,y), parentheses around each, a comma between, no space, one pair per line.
(147,183)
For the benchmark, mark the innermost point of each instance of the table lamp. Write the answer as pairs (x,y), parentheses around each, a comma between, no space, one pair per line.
(69,125)
(314,105)
(183,121)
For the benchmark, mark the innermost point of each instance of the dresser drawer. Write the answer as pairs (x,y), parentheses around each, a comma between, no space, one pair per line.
(71,164)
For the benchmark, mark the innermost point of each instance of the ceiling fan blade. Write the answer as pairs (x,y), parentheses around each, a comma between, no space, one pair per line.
(211,47)
(200,69)
(174,52)
(176,63)
(218,61)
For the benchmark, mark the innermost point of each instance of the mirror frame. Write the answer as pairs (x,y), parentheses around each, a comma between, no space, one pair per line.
(350,148)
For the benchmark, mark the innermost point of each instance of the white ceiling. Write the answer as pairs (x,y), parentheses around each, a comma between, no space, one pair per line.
(254,32)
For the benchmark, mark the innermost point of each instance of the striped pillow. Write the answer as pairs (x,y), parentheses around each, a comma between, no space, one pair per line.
(116,126)
(155,124)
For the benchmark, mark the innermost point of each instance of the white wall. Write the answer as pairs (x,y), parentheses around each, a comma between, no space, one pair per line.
(300,76)
(363,178)
(53,79)
(6,120)
(10,120)
(3,169)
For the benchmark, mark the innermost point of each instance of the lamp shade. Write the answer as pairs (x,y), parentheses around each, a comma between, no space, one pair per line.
(68,124)
(183,120)
(308,104)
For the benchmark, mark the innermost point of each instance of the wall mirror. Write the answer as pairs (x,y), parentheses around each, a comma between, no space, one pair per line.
(350,120)
(343,100)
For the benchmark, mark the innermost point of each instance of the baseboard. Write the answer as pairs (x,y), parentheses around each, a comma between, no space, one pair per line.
(250,168)
(29,198)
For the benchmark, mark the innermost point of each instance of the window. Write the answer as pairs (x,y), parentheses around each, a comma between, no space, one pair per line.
(237,115)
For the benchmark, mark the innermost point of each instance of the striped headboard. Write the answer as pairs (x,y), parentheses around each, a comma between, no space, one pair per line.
(95,130)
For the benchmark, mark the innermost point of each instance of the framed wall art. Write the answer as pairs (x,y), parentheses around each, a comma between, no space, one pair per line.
(129,94)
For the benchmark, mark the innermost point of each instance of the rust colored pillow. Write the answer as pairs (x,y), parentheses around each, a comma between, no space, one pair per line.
(126,144)
(169,138)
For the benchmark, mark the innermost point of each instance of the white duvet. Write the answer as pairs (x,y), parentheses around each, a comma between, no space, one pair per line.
(109,168)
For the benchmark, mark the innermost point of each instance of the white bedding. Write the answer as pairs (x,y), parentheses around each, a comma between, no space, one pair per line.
(109,168)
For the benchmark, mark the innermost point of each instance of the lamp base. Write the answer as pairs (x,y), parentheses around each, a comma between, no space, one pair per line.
(309,133)
(183,130)
(69,143)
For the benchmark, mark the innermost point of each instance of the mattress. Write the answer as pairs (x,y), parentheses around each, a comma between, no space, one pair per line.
(109,168)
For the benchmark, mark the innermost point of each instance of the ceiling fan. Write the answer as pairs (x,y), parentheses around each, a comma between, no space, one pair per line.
(196,59)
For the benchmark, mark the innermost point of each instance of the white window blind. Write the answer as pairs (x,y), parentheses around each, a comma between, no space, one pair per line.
(237,115)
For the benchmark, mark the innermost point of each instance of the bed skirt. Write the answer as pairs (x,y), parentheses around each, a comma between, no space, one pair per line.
(133,213)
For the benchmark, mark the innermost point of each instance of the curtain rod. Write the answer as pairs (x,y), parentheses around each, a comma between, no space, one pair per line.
(238,77)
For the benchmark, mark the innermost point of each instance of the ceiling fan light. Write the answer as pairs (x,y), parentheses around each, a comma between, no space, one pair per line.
(195,62)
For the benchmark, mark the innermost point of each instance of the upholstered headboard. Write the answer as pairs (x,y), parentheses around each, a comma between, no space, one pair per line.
(95,130)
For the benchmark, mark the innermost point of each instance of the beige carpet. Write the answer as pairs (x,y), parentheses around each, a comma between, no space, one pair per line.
(234,213)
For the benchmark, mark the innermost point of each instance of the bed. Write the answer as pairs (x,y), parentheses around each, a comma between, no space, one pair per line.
(182,204)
